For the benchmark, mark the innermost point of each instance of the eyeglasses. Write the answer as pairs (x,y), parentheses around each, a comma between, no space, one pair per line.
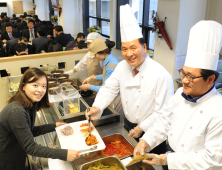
(190,78)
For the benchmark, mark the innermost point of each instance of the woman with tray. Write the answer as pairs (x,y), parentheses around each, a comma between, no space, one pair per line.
(17,124)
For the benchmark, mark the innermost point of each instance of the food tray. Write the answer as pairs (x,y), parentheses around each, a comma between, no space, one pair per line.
(77,140)
(111,161)
(122,139)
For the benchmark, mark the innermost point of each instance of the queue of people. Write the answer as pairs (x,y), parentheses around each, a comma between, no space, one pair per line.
(181,130)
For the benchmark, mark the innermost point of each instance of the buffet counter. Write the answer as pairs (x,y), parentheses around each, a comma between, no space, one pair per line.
(108,125)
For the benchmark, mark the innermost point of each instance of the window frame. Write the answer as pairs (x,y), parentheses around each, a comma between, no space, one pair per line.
(145,18)
(98,16)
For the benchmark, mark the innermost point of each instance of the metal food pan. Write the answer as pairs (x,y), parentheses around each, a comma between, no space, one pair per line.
(140,165)
(122,139)
(111,161)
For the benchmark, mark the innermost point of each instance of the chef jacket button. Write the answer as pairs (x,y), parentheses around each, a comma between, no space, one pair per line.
(142,76)
(136,117)
(182,145)
(171,134)
(126,101)
(139,90)
(191,127)
(137,105)
(201,111)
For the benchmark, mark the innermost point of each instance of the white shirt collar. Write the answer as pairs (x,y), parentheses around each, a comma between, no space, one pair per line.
(138,68)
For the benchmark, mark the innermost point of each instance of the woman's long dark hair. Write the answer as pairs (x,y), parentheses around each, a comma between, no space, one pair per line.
(21,98)
(80,34)
(110,45)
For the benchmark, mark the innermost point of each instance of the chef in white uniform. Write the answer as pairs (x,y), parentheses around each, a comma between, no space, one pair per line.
(192,119)
(144,90)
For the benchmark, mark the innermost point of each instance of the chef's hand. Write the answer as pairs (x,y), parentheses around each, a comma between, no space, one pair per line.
(86,81)
(70,72)
(85,87)
(49,36)
(72,155)
(141,148)
(93,112)
(157,160)
(136,132)
(60,124)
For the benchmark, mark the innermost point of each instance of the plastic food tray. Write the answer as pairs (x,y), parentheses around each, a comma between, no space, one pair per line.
(77,140)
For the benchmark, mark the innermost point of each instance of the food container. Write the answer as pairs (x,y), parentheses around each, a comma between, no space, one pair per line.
(111,161)
(122,139)
(57,73)
(86,93)
(66,81)
(54,89)
(49,76)
(52,80)
(63,76)
(140,165)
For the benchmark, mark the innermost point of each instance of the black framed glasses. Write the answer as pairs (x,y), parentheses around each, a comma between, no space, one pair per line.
(190,78)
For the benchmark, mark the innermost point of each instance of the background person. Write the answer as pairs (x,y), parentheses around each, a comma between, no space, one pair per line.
(93,65)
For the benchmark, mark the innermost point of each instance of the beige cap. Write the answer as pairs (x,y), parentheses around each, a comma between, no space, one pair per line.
(92,36)
(96,46)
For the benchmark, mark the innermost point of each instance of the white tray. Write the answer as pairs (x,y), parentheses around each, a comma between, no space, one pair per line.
(77,140)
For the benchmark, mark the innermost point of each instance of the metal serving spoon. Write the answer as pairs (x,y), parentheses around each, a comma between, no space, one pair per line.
(92,148)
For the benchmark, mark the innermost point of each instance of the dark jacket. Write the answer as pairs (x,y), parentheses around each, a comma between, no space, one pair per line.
(17,131)
(10,42)
(37,43)
(71,45)
(12,50)
(4,35)
(21,25)
(26,34)
(37,25)
(63,39)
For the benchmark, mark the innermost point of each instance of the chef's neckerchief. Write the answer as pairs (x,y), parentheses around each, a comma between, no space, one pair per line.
(194,100)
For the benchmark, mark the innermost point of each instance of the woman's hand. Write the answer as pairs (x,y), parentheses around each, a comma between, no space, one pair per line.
(60,124)
(85,87)
(72,155)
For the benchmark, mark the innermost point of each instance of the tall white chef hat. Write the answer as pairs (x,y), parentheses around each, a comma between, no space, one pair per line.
(204,45)
(129,27)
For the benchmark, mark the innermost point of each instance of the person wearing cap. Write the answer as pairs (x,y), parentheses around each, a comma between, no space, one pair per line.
(192,119)
(93,65)
(144,84)
(101,49)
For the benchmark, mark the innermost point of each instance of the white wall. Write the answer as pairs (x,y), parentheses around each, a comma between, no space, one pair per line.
(27,5)
(181,16)
(214,12)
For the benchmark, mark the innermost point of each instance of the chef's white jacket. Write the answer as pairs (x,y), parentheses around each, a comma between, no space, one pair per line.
(83,63)
(142,96)
(194,131)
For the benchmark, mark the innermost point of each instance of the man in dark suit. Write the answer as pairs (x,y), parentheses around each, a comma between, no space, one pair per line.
(14,40)
(21,49)
(37,23)
(7,34)
(42,39)
(62,38)
(20,25)
(30,33)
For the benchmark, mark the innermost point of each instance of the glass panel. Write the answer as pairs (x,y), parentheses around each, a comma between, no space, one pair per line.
(92,7)
(137,7)
(153,6)
(152,40)
(105,7)
(106,28)
(92,22)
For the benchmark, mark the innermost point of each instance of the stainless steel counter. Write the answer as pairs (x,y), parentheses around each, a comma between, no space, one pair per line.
(109,124)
